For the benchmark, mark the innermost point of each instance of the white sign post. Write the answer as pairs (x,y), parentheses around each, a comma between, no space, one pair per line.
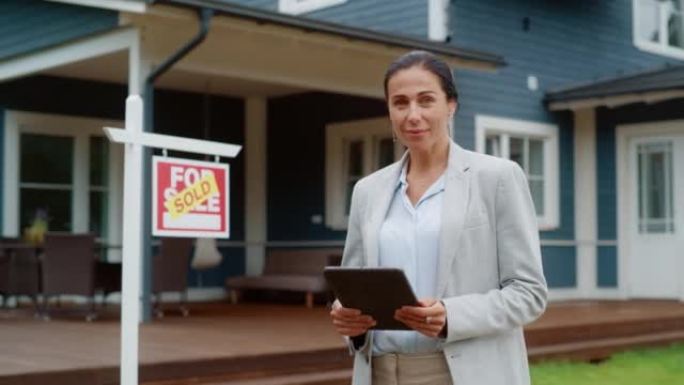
(134,140)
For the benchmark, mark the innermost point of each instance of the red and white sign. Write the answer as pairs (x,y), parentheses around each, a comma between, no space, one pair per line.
(190,198)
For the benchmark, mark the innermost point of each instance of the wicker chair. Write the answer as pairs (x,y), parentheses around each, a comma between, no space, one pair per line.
(68,268)
(170,271)
(19,271)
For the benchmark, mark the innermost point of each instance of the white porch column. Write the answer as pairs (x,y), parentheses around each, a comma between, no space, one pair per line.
(255,183)
(586,200)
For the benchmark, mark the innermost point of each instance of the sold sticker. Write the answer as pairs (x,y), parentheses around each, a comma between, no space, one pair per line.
(190,198)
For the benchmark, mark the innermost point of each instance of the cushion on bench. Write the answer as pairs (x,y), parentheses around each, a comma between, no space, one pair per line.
(289,282)
(292,270)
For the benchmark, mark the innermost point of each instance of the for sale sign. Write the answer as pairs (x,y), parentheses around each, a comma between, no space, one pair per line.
(190,198)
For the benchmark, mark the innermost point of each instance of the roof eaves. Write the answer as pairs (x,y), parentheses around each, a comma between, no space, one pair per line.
(597,88)
(311,25)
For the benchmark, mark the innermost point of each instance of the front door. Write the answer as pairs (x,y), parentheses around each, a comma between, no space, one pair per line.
(655,222)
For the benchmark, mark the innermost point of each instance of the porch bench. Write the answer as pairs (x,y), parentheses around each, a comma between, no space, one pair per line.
(298,270)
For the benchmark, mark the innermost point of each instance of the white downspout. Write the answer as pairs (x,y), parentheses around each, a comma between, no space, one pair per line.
(438,20)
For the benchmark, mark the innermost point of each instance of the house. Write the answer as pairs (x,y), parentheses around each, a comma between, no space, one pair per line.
(268,81)
(588,106)
(586,96)
(591,94)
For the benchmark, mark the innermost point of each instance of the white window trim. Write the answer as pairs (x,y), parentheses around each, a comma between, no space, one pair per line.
(647,46)
(490,124)
(336,133)
(294,7)
(81,129)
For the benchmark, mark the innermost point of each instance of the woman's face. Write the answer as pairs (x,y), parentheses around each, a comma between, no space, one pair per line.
(418,109)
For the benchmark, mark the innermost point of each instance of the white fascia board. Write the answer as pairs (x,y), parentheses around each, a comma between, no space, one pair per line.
(71,52)
(197,146)
(618,100)
(134,6)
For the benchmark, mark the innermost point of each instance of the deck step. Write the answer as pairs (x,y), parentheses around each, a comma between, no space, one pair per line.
(331,377)
(537,337)
(327,367)
(601,348)
(580,343)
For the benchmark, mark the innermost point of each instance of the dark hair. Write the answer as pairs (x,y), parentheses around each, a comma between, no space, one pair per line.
(429,62)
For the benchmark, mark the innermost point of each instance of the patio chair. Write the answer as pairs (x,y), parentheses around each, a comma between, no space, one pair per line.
(69,269)
(5,267)
(19,271)
(107,279)
(170,269)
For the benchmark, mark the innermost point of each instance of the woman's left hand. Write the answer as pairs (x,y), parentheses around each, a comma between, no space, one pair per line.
(429,318)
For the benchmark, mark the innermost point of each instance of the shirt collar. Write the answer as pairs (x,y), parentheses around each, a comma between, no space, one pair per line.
(436,187)
(402,177)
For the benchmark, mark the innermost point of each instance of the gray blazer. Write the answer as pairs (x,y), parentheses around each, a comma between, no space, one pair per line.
(489,275)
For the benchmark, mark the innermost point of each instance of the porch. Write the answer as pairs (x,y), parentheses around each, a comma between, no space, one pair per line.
(283,344)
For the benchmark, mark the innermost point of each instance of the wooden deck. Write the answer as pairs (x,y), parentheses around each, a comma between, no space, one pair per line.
(286,344)
(592,331)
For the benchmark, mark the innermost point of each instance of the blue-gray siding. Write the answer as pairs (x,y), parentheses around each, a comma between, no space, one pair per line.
(566,43)
(607,268)
(606,176)
(405,17)
(30,25)
(560,266)
(270,5)
(225,118)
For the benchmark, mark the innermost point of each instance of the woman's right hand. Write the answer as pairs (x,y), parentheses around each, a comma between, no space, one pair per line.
(350,322)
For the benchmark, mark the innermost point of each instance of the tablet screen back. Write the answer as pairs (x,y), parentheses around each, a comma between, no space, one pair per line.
(375,291)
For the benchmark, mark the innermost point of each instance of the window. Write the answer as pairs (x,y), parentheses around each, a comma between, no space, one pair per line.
(654,165)
(353,150)
(534,146)
(57,168)
(659,26)
(296,7)
(46,180)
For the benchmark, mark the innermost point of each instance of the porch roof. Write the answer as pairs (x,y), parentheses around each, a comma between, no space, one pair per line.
(262,16)
(648,86)
(248,52)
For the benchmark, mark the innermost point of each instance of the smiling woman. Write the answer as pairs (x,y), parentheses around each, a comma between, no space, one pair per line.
(462,227)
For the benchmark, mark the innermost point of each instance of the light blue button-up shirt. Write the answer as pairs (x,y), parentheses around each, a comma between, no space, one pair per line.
(409,240)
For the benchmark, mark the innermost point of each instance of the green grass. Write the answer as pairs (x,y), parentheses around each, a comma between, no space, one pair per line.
(639,367)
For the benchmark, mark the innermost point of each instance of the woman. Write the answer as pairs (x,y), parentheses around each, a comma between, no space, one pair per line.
(462,226)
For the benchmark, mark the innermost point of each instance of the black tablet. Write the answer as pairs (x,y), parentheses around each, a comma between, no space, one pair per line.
(376,291)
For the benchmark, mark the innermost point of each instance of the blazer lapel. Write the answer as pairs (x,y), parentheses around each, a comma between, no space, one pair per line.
(455,204)
(380,199)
